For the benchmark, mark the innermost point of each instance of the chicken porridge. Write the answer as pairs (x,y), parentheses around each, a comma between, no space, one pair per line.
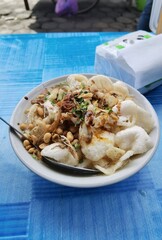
(93,123)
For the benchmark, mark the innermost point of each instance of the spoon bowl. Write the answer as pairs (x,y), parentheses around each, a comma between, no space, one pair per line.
(68,168)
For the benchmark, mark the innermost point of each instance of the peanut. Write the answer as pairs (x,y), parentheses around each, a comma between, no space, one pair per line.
(70,136)
(47,137)
(55,137)
(41,96)
(23,126)
(34,139)
(59,131)
(28,147)
(75,141)
(26,143)
(48,126)
(40,111)
(31,126)
(31,150)
(42,145)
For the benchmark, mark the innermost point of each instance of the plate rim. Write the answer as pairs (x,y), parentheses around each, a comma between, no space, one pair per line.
(106,180)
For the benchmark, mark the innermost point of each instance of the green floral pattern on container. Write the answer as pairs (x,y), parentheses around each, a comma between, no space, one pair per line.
(147,36)
(119,46)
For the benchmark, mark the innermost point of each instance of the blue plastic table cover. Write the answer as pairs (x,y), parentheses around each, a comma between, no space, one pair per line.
(34,208)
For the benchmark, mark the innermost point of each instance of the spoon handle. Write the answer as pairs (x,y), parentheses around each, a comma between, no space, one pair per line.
(12,128)
(53,163)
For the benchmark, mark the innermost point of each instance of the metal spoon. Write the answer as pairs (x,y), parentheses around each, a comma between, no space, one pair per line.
(52,162)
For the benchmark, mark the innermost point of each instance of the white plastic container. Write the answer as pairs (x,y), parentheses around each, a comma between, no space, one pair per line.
(134,58)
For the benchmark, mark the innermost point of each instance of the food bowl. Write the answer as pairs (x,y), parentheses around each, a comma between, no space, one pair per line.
(86,181)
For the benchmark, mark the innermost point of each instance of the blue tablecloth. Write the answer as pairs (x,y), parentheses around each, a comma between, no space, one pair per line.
(34,208)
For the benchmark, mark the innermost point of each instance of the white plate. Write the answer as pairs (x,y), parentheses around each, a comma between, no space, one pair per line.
(80,181)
